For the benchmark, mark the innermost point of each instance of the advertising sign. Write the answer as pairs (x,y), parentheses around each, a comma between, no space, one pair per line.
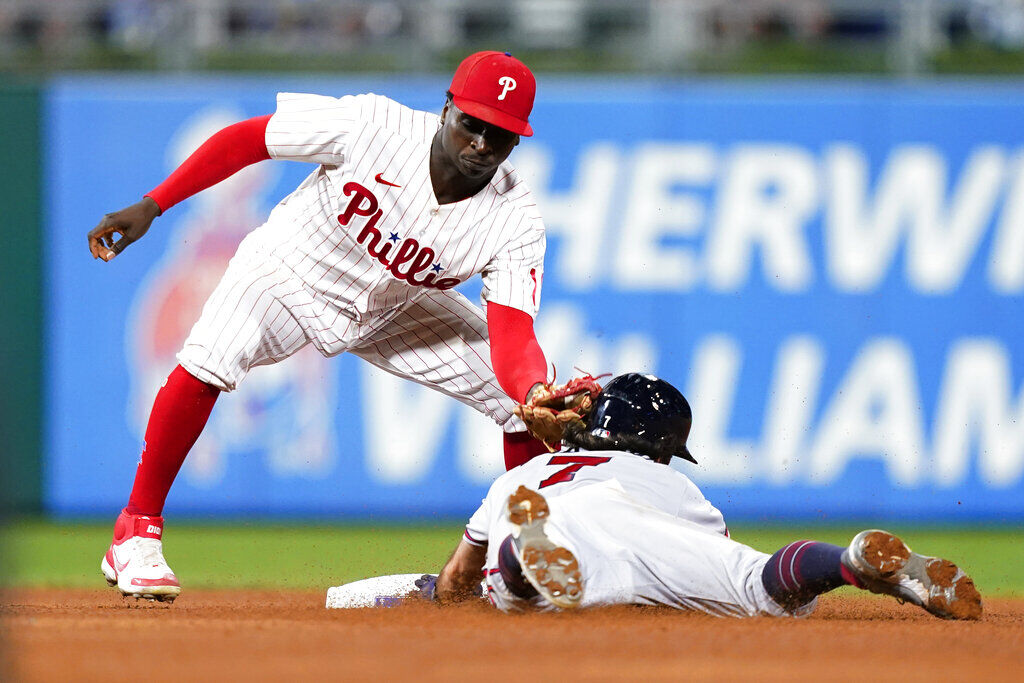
(831,272)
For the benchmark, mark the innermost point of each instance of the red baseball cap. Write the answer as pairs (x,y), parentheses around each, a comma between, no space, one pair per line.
(497,88)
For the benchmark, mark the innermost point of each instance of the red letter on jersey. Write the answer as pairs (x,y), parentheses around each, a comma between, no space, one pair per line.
(575,463)
(357,206)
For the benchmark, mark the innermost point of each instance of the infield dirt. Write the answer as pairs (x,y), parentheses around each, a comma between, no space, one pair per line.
(86,635)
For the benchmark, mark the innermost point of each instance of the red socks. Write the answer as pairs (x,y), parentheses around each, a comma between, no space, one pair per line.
(179,414)
(521,447)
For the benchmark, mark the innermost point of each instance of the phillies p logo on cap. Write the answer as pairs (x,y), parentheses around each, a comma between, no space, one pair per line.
(497,88)
(507,83)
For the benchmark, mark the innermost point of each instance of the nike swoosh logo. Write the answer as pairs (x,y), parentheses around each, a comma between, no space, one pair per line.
(119,566)
(384,182)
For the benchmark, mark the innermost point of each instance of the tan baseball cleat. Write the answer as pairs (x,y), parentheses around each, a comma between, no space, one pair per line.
(884,564)
(551,569)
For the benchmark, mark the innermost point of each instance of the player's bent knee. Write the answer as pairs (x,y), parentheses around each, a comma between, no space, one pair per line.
(215,379)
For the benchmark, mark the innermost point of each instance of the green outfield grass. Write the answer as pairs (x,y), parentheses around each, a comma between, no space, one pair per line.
(40,553)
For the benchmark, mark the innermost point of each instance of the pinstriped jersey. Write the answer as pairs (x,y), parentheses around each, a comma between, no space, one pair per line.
(364,230)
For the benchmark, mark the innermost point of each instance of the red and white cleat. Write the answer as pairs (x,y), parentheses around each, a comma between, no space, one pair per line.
(135,560)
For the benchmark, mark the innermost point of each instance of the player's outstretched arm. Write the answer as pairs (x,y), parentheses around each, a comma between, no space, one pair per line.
(462,573)
(226,152)
(131,223)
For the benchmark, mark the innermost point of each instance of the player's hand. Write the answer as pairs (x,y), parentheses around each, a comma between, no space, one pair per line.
(427,586)
(131,223)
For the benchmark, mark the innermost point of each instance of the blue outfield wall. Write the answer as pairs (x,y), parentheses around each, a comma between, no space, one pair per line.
(831,271)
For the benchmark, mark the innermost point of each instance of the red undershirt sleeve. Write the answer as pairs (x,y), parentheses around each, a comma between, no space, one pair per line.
(516,356)
(224,154)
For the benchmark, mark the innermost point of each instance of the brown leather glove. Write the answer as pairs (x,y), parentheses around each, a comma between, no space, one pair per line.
(550,407)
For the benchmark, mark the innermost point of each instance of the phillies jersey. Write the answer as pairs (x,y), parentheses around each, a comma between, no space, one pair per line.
(364,231)
(642,532)
(361,258)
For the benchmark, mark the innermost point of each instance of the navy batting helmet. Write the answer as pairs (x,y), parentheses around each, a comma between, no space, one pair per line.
(640,414)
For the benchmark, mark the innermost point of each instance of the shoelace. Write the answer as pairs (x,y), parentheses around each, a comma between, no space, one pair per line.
(586,375)
(151,551)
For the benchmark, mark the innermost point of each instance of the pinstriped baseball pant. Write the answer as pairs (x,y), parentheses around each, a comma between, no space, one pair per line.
(261,313)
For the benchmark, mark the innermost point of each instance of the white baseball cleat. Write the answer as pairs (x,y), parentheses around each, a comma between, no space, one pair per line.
(551,569)
(135,560)
(884,564)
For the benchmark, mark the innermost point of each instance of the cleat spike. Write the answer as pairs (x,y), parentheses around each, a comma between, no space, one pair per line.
(885,564)
(552,570)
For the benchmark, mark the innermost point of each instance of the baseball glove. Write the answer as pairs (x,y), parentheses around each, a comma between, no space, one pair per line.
(550,407)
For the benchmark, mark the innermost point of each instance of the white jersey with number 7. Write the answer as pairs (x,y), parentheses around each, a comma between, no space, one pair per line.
(643,533)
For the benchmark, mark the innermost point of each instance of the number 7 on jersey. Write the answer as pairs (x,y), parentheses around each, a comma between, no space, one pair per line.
(574,463)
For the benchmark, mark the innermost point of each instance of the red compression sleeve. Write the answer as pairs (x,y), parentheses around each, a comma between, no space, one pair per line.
(227,152)
(515,354)
(180,411)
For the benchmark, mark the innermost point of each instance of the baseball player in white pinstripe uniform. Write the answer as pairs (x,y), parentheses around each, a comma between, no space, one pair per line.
(362,257)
